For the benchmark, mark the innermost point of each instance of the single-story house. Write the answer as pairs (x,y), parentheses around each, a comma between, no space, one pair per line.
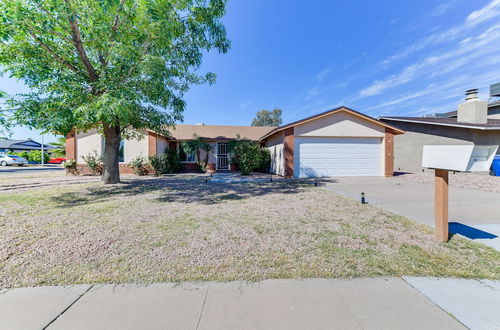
(7,145)
(339,142)
(475,122)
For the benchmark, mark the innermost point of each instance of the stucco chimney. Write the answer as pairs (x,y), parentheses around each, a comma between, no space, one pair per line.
(473,110)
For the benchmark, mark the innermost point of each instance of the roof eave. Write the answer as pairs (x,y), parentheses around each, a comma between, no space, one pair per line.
(485,128)
(330,112)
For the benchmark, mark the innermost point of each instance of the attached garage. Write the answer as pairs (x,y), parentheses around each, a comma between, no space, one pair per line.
(340,142)
(332,157)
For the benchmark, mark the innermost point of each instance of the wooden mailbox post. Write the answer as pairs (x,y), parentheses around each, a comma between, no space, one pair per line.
(457,158)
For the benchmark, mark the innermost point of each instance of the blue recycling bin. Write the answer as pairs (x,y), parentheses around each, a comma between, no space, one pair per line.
(495,167)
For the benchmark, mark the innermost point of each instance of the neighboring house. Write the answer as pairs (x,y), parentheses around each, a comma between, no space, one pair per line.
(475,122)
(7,145)
(340,142)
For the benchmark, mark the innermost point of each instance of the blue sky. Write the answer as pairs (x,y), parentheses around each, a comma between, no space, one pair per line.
(387,57)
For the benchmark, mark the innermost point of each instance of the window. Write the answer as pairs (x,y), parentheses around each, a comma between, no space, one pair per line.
(121,150)
(185,158)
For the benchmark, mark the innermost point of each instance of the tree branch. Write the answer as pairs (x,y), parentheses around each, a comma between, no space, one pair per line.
(116,21)
(54,55)
(78,43)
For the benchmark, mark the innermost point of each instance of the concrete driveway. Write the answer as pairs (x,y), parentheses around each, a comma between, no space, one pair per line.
(473,213)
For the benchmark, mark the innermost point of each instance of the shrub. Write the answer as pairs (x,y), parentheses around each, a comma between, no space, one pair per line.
(265,160)
(249,156)
(94,163)
(36,156)
(70,166)
(139,165)
(167,163)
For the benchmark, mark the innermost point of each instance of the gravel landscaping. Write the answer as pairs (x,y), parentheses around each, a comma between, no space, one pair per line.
(483,182)
(180,228)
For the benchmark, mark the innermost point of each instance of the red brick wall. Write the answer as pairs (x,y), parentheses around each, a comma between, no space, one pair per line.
(71,145)
(151,143)
(288,151)
(389,152)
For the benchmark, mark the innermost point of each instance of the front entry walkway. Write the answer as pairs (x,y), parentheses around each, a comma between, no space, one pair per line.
(232,177)
(375,303)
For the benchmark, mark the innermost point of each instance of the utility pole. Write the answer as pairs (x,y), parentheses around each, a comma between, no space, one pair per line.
(42,149)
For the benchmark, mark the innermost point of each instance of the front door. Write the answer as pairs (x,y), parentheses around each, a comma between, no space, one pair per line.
(222,156)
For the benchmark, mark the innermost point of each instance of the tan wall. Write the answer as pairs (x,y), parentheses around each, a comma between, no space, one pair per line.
(340,125)
(275,146)
(136,148)
(86,143)
(161,145)
(90,141)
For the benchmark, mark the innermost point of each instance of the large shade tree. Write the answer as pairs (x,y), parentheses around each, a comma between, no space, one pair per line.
(111,65)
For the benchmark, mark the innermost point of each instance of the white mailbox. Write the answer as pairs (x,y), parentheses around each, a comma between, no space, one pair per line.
(460,158)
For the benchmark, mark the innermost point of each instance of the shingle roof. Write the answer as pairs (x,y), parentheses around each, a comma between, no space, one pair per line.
(493,124)
(330,112)
(219,132)
(5,143)
(20,144)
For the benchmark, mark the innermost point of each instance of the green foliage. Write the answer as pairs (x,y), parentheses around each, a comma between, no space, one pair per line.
(70,166)
(60,144)
(32,156)
(166,163)
(24,154)
(265,160)
(139,165)
(195,146)
(94,163)
(36,156)
(268,118)
(248,156)
(119,64)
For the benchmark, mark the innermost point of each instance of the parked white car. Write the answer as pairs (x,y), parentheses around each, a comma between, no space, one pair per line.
(6,159)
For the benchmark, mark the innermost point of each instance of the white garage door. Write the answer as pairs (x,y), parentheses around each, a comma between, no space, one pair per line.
(331,157)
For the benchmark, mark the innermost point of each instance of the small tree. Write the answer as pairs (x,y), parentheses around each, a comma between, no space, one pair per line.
(268,118)
(60,145)
(195,146)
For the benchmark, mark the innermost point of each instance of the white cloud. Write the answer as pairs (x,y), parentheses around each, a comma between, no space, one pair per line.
(394,80)
(245,104)
(323,74)
(476,50)
(442,8)
(491,10)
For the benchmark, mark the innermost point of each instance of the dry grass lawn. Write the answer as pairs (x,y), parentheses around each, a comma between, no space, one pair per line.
(182,229)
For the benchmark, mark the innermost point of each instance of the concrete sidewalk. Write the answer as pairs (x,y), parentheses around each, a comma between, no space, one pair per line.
(377,303)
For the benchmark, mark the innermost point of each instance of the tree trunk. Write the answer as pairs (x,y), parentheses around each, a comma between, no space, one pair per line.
(112,137)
